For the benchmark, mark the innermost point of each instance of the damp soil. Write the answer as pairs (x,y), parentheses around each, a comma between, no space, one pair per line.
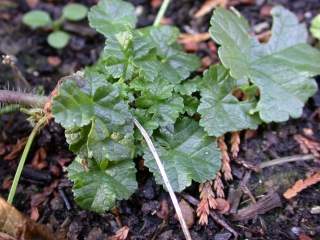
(48,188)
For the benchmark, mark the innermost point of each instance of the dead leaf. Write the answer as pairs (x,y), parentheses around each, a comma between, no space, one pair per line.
(54,61)
(34,214)
(121,234)
(235,144)
(17,226)
(39,198)
(223,206)
(164,210)
(185,38)
(308,145)
(6,184)
(32,3)
(39,159)
(209,5)
(226,168)
(16,149)
(218,186)
(187,212)
(301,185)
(207,201)
(304,237)
(2,149)
(156,3)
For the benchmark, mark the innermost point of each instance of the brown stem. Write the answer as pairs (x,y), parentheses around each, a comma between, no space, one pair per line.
(25,99)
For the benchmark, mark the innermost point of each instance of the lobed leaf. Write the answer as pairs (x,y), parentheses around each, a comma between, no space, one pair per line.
(221,112)
(97,189)
(97,117)
(281,69)
(187,154)
(110,17)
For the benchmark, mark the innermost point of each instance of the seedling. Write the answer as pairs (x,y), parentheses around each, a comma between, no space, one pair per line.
(57,38)
(143,76)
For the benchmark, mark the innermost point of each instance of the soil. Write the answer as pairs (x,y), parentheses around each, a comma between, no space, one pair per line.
(45,193)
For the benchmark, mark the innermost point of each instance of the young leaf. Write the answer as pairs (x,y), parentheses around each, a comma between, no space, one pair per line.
(175,65)
(99,109)
(110,17)
(36,19)
(76,105)
(58,39)
(163,111)
(191,104)
(187,154)
(221,112)
(281,69)
(74,11)
(315,27)
(97,189)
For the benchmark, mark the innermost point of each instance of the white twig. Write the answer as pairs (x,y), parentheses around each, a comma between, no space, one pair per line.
(165,180)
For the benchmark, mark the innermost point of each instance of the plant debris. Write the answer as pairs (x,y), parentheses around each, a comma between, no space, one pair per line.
(300,185)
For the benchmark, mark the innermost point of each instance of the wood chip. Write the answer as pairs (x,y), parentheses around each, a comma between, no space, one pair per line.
(187,212)
(223,206)
(301,185)
(270,201)
(16,149)
(121,234)
(185,38)
(209,5)
(17,226)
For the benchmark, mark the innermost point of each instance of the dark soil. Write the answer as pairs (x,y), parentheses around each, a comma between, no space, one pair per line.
(55,202)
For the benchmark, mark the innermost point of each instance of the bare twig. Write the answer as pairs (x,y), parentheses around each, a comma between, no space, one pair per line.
(265,204)
(20,81)
(283,160)
(26,99)
(216,217)
(165,179)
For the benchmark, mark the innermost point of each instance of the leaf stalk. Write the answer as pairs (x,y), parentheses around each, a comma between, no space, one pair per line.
(165,179)
(161,12)
(23,158)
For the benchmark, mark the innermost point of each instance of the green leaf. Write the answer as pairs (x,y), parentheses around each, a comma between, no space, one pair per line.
(76,105)
(163,111)
(97,189)
(159,88)
(96,118)
(111,17)
(118,56)
(58,39)
(189,86)
(75,12)
(281,69)
(36,19)
(174,65)
(221,112)
(191,104)
(315,27)
(187,154)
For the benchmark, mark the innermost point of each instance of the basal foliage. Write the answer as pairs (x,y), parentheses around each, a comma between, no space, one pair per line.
(143,73)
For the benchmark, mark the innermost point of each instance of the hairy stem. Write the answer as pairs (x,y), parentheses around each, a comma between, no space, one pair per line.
(165,179)
(26,99)
(161,12)
(24,156)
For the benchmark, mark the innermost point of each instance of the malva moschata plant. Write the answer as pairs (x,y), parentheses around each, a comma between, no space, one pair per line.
(144,76)
(58,38)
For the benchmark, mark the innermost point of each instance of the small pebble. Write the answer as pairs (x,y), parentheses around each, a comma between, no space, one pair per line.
(315,210)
